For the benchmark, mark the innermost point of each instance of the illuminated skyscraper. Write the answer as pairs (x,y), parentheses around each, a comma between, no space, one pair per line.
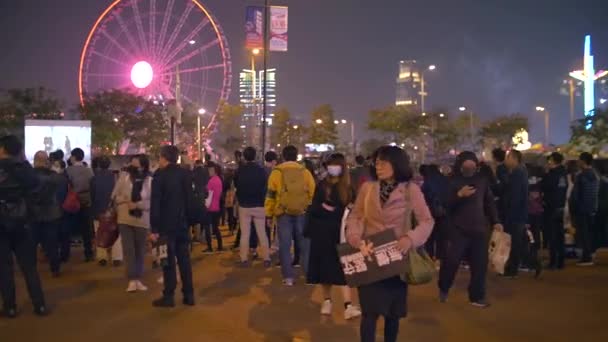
(251,97)
(408,84)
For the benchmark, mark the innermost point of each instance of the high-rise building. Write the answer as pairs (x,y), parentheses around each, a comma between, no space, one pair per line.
(408,84)
(251,97)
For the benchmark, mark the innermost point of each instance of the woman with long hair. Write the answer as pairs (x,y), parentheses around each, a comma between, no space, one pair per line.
(332,196)
(132,195)
(383,204)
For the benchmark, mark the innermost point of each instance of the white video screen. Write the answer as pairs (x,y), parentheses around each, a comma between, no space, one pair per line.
(52,135)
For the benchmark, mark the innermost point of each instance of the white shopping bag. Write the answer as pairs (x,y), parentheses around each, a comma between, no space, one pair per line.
(343,226)
(500,248)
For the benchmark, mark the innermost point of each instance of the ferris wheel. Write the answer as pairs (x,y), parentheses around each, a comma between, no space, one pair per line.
(165,49)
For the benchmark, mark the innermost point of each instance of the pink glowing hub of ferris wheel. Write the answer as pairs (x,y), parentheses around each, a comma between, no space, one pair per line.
(142,74)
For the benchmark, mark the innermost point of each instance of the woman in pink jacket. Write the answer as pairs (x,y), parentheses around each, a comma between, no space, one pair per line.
(214,189)
(384,204)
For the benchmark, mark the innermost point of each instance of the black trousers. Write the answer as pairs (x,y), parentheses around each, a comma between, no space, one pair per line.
(47,235)
(65,234)
(475,247)
(18,242)
(82,224)
(231,219)
(555,223)
(213,224)
(368,328)
(178,249)
(584,224)
(435,245)
(518,244)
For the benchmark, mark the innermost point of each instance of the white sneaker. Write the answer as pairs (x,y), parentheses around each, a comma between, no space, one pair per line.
(140,286)
(352,311)
(161,280)
(132,286)
(326,307)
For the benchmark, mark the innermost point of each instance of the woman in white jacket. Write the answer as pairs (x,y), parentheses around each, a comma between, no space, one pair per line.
(132,197)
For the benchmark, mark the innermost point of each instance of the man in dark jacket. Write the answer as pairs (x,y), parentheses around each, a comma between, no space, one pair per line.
(515,210)
(359,174)
(470,206)
(555,187)
(170,215)
(584,204)
(102,186)
(46,212)
(250,183)
(502,178)
(435,189)
(17,183)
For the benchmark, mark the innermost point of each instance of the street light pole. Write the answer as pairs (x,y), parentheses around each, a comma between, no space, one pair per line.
(266,53)
(422,93)
(201,111)
(546,114)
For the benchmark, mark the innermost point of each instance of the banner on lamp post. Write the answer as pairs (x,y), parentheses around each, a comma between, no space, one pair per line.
(254,27)
(278,28)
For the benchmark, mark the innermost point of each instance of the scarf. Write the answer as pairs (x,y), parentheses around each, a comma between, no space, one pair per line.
(137,178)
(385,190)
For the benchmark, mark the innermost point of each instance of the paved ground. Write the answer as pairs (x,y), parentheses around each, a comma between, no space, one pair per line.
(89,304)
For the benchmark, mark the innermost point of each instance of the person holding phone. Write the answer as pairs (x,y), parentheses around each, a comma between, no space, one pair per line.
(470,205)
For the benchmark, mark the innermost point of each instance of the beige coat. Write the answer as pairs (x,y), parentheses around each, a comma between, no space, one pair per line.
(122,197)
(368,217)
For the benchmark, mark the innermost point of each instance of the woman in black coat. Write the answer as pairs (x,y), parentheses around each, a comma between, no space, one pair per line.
(332,195)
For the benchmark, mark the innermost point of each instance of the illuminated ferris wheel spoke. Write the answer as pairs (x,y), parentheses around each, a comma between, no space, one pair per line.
(191,54)
(165,25)
(202,68)
(186,41)
(177,29)
(127,32)
(109,58)
(140,26)
(152,26)
(105,75)
(118,45)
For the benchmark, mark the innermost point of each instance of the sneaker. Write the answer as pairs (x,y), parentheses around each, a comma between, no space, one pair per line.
(278,265)
(132,286)
(352,311)
(164,302)
(296,265)
(189,301)
(525,269)
(41,311)
(254,255)
(326,308)
(161,280)
(288,282)
(482,304)
(267,264)
(140,286)
(103,262)
(244,264)
(443,297)
(10,313)
(584,263)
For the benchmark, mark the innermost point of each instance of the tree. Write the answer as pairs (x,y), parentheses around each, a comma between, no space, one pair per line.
(281,129)
(117,115)
(323,129)
(400,122)
(18,105)
(229,134)
(369,146)
(500,131)
(590,134)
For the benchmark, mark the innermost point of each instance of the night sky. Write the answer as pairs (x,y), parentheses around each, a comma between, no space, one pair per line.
(492,56)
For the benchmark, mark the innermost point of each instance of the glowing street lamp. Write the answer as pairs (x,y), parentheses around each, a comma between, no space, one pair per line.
(422,93)
(546,113)
(432,67)
(462,109)
(343,121)
(602,101)
(318,121)
(441,115)
(336,122)
(201,111)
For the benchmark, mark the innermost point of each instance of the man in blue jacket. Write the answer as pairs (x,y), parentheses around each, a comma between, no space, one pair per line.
(515,210)
(584,204)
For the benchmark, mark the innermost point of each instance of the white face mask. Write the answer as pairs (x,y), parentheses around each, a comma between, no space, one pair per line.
(334,170)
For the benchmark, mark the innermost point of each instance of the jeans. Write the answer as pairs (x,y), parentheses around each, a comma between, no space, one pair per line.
(134,248)
(178,248)
(20,243)
(584,223)
(213,225)
(457,245)
(288,226)
(246,215)
(518,242)
(47,235)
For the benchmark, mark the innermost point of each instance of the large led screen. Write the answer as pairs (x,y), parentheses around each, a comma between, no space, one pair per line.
(52,135)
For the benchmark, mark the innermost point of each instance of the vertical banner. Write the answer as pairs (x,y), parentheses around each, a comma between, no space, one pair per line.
(254,27)
(278,28)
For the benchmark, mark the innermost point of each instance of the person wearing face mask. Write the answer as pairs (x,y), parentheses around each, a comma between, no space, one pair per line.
(470,205)
(132,197)
(332,196)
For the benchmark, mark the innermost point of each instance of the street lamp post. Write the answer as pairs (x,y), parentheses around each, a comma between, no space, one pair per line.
(546,114)
(471,130)
(201,112)
(422,93)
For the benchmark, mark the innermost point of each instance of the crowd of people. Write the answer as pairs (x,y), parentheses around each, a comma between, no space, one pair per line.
(296,210)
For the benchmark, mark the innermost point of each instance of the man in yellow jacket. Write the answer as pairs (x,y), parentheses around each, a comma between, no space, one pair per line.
(290,190)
